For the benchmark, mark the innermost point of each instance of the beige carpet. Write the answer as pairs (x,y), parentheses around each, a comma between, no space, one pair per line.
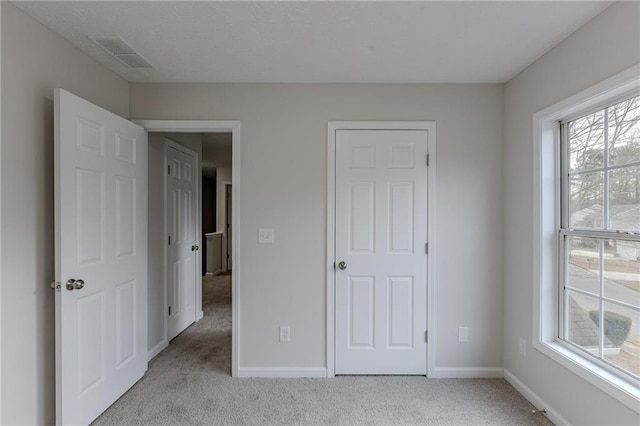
(189,383)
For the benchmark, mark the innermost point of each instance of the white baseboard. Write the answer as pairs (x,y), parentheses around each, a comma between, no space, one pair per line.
(467,373)
(534,399)
(287,372)
(157,349)
(213,274)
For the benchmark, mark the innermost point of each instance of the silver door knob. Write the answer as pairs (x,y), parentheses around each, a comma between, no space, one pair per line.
(74,284)
(342,265)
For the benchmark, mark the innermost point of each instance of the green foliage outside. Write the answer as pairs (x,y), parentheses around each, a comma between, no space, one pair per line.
(616,326)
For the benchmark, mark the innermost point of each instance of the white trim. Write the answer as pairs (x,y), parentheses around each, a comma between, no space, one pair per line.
(0,220)
(330,267)
(534,399)
(467,373)
(218,126)
(153,352)
(283,372)
(546,199)
(592,373)
(332,127)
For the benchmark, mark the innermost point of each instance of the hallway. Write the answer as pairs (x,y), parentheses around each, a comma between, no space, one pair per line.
(200,353)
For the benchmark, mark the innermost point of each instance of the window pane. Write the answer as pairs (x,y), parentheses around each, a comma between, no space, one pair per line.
(586,142)
(583,271)
(624,132)
(624,198)
(581,329)
(622,337)
(585,200)
(622,271)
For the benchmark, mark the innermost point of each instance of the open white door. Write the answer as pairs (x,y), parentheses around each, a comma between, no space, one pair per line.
(182,245)
(101,257)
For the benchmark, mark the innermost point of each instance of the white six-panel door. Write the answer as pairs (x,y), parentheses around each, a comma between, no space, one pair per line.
(101,257)
(182,249)
(380,236)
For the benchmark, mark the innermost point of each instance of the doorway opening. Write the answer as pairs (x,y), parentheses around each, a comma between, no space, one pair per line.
(216,147)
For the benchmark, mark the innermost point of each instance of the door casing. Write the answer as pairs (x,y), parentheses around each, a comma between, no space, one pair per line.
(333,126)
(215,126)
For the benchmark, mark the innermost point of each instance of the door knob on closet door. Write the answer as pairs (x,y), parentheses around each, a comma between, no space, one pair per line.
(342,265)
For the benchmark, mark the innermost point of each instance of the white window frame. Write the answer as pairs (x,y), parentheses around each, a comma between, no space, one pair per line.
(546,223)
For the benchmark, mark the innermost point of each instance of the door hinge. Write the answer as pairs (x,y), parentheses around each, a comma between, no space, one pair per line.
(427,160)
(169,310)
(426,336)
(169,239)
(426,248)
(168,169)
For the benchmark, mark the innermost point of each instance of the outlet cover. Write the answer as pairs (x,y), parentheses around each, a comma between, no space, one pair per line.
(285,334)
(522,347)
(463,334)
(266,236)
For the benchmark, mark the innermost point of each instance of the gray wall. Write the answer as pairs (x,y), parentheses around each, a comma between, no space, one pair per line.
(284,163)
(607,45)
(34,62)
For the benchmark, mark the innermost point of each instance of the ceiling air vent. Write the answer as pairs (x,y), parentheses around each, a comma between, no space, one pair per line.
(119,48)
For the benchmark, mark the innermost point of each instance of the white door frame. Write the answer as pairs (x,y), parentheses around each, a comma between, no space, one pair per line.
(217,126)
(0,215)
(333,126)
(198,313)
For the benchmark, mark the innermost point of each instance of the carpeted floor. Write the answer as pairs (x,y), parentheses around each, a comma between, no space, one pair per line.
(189,383)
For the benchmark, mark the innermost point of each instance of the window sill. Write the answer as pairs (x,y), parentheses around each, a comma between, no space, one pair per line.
(622,390)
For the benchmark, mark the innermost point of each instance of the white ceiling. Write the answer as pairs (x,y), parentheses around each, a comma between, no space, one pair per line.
(321,41)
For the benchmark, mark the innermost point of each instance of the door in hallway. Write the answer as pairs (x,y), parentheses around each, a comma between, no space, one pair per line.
(381,261)
(182,249)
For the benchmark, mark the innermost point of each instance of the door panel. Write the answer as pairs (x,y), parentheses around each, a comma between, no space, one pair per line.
(361,309)
(181,258)
(361,217)
(381,231)
(101,234)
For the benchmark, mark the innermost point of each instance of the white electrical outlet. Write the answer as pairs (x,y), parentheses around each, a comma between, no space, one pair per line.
(285,333)
(522,347)
(463,334)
